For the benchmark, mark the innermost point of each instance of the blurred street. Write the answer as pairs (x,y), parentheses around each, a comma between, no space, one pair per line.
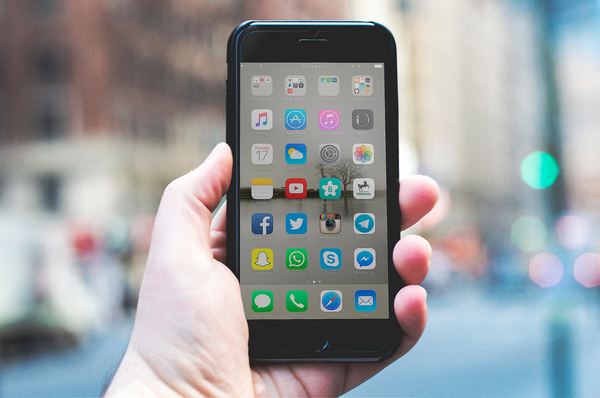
(473,347)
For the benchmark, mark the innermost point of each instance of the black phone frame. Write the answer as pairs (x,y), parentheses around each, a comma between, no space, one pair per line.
(347,340)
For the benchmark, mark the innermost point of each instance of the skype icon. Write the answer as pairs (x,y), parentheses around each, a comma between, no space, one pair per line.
(331,258)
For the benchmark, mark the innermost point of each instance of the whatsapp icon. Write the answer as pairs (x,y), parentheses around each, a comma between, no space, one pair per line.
(296,259)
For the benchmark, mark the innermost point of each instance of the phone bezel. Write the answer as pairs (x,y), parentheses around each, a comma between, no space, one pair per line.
(317,340)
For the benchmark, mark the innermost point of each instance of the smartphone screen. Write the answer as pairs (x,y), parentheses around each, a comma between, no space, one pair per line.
(313,200)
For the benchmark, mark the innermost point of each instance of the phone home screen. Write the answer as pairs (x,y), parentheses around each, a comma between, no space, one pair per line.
(313,212)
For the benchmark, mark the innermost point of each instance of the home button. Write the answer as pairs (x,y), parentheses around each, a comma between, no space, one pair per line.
(324,345)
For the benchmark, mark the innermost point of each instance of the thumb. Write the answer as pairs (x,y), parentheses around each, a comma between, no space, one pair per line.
(182,226)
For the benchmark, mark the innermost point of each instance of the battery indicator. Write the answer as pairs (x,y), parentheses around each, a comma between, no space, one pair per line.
(378,66)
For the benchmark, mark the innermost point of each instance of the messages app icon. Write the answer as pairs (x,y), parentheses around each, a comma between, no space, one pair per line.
(296,223)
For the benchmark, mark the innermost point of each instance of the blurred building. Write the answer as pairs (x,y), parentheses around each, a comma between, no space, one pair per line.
(476,106)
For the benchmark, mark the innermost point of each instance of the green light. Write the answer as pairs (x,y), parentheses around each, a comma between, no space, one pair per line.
(528,233)
(539,170)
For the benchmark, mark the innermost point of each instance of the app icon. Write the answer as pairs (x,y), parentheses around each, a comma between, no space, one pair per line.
(329,85)
(365,300)
(296,259)
(330,258)
(362,85)
(362,119)
(262,301)
(329,119)
(363,153)
(261,188)
(261,119)
(330,223)
(296,223)
(262,153)
(296,300)
(295,85)
(330,153)
(295,153)
(363,188)
(330,188)
(364,223)
(331,301)
(262,259)
(262,223)
(295,188)
(261,85)
(295,119)
(364,258)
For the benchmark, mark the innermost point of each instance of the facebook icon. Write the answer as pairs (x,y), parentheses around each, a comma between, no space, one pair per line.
(262,223)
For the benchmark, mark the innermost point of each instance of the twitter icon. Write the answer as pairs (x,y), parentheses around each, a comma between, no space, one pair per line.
(296,223)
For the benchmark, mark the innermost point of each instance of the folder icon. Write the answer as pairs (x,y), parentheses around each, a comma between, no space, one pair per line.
(261,188)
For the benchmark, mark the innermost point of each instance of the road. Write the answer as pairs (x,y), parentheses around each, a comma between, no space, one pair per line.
(472,347)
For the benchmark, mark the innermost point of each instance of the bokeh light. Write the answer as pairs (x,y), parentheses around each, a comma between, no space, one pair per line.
(528,233)
(573,232)
(539,170)
(586,270)
(545,270)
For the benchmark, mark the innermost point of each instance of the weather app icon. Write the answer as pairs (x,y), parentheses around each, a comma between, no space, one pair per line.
(295,119)
(295,153)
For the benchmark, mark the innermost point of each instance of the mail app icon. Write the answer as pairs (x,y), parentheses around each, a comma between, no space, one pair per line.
(365,300)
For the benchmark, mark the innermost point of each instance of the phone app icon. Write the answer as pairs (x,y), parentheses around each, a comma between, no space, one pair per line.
(363,188)
(296,300)
(364,223)
(362,85)
(295,119)
(295,153)
(331,301)
(262,301)
(261,85)
(262,154)
(363,153)
(296,258)
(329,85)
(296,223)
(329,119)
(362,119)
(295,85)
(261,119)
(364,258)
(330,188)
(330,223)
(261,259)
(330,258)
(295,188)
(261,188)
(262,223)
(329,153)
(365,300)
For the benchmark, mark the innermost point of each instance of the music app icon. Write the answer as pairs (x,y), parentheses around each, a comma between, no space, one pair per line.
(262,119)
(329,119)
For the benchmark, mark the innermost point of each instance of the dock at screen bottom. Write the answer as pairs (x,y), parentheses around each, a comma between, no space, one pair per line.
(315,301)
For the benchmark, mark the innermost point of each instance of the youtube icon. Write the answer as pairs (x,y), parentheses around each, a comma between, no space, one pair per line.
(295,188)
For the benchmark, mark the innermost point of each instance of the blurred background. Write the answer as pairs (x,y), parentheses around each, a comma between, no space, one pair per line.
(102,103)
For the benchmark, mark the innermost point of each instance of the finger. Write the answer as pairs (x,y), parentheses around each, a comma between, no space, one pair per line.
(411,256)
(418,194)
(217,234)
(411,311)
(182,227)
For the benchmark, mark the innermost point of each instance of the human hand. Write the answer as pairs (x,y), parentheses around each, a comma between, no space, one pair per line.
(190,336)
